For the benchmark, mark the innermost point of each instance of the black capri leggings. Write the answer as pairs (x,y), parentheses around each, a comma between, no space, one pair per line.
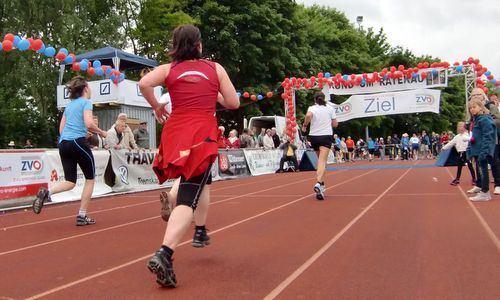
(190,190)
(76,152)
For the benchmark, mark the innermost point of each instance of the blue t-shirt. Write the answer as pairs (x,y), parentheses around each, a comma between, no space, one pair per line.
(371,144)
(75,125)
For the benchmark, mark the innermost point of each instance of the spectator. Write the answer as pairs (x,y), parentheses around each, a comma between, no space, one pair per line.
(288,155)
(255,135)
(481,147)
(233,142)
(28,144)
(128,136)
(371,148)
(350,148)
(94,140)
(261,137)
(268,140)
(337,146)
(415,146)
(246,140)
(343,148)
(461,141)
(221,140)
(405,146)
(436,146)
(396,143)
(276,138)
(381,148)
(11,145)
(115,136)
(141,135)
(425,145)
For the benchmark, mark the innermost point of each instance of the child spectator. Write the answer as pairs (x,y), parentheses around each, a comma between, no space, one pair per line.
(461,141)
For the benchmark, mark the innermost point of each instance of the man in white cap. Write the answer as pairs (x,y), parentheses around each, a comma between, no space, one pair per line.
(128,136)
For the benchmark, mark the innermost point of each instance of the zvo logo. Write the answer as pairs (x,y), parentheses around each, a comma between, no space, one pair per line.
(343,108)
(31,165)
(424,99)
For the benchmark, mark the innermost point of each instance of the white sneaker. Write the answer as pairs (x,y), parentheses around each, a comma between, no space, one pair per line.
(474,190)
(497,190)
(481,197)
(319,190)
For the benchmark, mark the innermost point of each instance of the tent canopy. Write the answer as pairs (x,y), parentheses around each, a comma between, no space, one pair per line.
(117,58)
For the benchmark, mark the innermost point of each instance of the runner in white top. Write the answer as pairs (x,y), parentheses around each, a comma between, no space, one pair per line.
(322,118)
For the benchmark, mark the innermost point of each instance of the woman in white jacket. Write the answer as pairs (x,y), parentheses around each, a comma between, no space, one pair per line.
(461,141)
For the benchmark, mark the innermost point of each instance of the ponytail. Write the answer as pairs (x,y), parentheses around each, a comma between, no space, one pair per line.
(319,98)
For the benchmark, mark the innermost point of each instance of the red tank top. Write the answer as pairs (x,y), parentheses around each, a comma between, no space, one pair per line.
(193,85)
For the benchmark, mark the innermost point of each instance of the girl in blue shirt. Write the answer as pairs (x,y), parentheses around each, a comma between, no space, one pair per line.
(77,120)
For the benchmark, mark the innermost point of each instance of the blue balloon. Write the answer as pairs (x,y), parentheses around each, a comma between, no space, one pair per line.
(345,77)
(239,94)
(487,73)
(112,77)
(414,75)
(122,77)
(68,60)
(96,64)
(84,65)
(386,77)
(328,75)
(17,39)
(260,97)
(42,50)
(108,71)
(434,72)
(363,82)
(99,71)
(1,46)
(49,51)
(494,81)
(64,50)
(23,45)
(459,68)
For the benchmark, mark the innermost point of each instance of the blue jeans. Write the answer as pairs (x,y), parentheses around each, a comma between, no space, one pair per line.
(483,178)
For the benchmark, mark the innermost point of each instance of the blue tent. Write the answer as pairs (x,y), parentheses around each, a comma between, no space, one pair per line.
(117,58)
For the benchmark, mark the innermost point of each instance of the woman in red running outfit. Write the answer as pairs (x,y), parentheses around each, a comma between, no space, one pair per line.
(195,86)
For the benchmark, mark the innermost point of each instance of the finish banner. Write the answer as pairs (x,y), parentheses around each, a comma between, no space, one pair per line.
(437,77)
(395,103)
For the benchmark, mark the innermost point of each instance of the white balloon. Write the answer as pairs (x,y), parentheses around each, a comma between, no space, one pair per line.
(165,98)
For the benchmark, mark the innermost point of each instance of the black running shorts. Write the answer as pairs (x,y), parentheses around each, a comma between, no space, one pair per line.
(76,152)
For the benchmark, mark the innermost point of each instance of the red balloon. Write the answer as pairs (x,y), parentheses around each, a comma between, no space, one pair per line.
(486,90)
(401,67)
(253,97)
(60,56)
(9,37)
(30,40)
(37,44)
(7,45)
(269,94)
(246,95)
(497,83)
(91,71)
(75,66)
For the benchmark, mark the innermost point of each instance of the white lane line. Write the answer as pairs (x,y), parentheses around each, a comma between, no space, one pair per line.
(491,234)
(278,289)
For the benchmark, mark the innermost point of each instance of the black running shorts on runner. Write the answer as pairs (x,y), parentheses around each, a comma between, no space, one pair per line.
(76,152)
(321,140)
(190,190)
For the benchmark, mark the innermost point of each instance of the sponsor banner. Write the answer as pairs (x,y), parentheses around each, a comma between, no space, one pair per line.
(134,172)
(437,77)
(232,164)
(262,162)
(22,173)
(362,106)
(55,168)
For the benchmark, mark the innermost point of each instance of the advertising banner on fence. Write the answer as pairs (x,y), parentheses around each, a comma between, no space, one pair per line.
(22,173)
(232,164)
(437,77)
(362,106)
(134,171)
(55,169)
(262,162)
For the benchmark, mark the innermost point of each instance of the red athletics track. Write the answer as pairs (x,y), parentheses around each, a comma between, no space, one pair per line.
(380,234)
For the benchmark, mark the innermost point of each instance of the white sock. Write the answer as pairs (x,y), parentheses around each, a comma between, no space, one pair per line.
(82,212)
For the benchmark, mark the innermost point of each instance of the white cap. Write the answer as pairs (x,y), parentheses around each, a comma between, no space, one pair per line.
(122,115)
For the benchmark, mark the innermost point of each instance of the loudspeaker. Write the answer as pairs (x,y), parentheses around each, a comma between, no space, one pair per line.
(309,161)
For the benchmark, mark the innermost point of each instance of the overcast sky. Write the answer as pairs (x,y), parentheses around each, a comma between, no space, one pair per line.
(452,30)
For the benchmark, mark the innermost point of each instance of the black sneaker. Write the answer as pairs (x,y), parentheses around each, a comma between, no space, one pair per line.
(200,239)
(166,206)
(41,197)
(161,265)
(82,221)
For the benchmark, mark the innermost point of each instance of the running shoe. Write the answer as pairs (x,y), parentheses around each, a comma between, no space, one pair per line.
(455,182)
(166,206)
(200,239)
(474,190)
(481,196)
(41,197)
(82,221)
(320,191)
(161,265)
